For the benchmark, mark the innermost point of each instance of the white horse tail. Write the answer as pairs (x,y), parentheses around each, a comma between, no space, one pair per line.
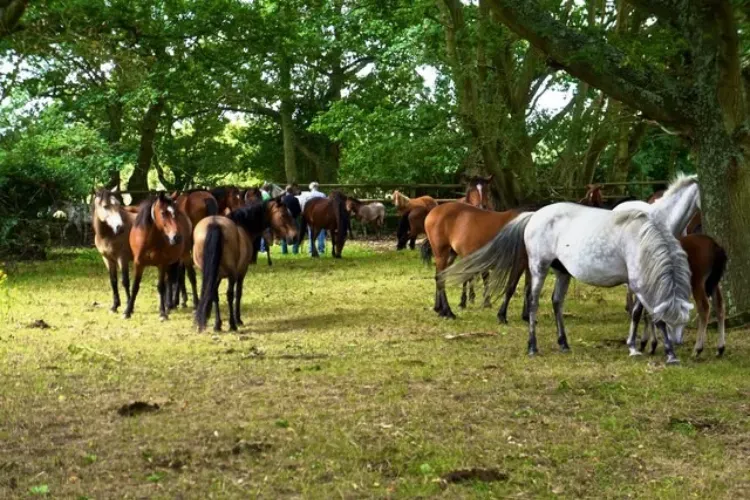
(505,254)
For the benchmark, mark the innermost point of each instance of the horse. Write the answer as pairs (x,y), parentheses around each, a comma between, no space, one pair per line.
(599,247)
(707,261)
(458,229)
(593,197)
(228,197)
(160,237)
(326,213)
(413,212)
(76,215)
(367,213)
(222,248)
(111,232)
(197,205)
(479,193)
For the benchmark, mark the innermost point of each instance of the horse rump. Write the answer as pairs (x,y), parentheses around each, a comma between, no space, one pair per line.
(213,246)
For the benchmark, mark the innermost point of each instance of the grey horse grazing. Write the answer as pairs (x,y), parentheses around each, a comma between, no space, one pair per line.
(600,248)
(112,224)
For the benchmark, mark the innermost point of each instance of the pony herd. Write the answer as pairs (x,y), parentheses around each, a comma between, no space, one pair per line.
(643,245)
(218,231)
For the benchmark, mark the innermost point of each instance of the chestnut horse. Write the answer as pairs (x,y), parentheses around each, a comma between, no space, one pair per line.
(707,261)
(160,237)
(479,193)
(112,225)
(326,213)
(458,229)
(197,205)
(222,248)
(413,213)
(228,197)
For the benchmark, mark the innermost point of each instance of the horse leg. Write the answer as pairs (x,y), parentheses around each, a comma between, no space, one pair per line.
(703,305)
(230,300)
(652,333)
(163,297)
(635,319)
(526,295)
(314,241)
(472,294)
(445,308)
(671,358)
(486,293)
(413,241)
(138,272)
(217,318)
(629,301)
(462,304)
(558,300)
(238,298)
(538,275)
(183,285)
(112,267)
(718,302)
(190,269)
(510,289)
(173,285)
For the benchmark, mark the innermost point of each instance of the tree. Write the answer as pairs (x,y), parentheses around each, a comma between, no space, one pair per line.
(690,79)
(11,12)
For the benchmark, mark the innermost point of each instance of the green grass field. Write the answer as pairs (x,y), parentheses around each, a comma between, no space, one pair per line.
(344,383)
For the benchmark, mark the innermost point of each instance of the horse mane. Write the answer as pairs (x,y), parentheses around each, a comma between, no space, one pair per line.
(144,219)
(680,181)
(400,200)
(342,216)
(251,217)
(665,274)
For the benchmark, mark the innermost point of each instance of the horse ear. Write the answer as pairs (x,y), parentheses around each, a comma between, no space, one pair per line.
(115,189)
(489,179)
(174,195)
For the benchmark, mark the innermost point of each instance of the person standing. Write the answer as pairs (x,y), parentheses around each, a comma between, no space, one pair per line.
(265,195)
(295,209)
(303,198)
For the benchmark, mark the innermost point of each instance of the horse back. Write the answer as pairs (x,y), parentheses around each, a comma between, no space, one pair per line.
(463,227)
(319,212)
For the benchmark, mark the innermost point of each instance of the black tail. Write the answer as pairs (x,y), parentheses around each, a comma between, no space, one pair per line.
(402,233)
(342,216)
(426,251)
(717,270)
(302,230)
(212,207)
(213,246)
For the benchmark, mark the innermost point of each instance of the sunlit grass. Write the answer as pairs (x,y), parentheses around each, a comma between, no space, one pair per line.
(342,383)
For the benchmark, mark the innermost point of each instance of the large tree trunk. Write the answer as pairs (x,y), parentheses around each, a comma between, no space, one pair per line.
(287,120)
(138,182)
(114,135)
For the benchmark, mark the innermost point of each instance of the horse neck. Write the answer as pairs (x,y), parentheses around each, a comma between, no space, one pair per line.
(676,210)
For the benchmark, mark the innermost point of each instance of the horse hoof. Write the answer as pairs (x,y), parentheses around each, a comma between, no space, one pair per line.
(635,352)
(697,352)
(672,360)
(126,315)
(565,349)
(240,322)
(113,309)
(720,352)
(185,305)
(533,353)
(462,306)
(502,320)
(525,317)
(163,318)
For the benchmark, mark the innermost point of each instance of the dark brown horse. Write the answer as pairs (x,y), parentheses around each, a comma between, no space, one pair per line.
(330,214)
(222,248)
(458,229)
(228,197)
(479,193)
(707,261)
(160,237)
(413,212)
(112,225)
(593,197)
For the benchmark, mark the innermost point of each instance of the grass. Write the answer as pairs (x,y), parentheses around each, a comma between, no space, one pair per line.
(343,384)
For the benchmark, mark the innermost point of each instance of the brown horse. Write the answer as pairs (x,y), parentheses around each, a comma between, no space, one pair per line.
(413,212)
(593,197)
(404,204)
(479,193)
(326,213)
(160,237)
(707,261)
(197,205)
(458,229)
(112,225)
(228,197)
(222,248)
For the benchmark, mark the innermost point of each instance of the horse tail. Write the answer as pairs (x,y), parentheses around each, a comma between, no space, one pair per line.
(342,216)
(212,206)
(212,250)
(717,269)
(505,255)
(402,233)
(426,251)
(302,229)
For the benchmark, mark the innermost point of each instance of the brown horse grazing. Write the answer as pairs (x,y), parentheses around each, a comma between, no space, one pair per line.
(593,197)
(160,237)
(112,225)
(707,261)
(222,248)
(326,213)
(197,205)
(479,193)
(228,197)
(458,229)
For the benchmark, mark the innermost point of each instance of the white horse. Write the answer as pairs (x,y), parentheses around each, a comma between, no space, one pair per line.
(674,209)
(596,246)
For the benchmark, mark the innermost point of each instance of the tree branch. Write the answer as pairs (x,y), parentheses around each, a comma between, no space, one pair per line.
(551,123)
(10,15)
(596,62)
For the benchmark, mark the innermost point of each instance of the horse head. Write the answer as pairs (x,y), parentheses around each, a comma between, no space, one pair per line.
(164,217)
(107,210)
(478,192)
(280,219)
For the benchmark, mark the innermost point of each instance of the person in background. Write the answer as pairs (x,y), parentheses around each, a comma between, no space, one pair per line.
(295,209)
(265,195)
(303,198)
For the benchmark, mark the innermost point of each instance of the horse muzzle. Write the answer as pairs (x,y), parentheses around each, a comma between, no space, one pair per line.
(175,240)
